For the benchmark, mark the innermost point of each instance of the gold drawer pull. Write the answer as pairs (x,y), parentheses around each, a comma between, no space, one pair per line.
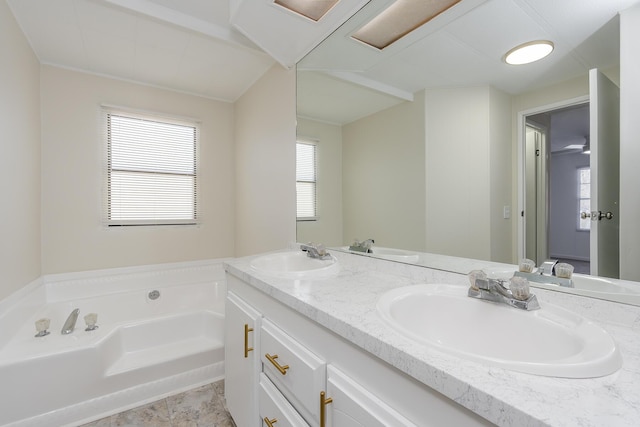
(247,349)
(323,408)
(279,367)
(269,422)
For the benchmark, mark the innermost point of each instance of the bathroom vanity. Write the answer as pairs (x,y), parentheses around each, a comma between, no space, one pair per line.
(314,351)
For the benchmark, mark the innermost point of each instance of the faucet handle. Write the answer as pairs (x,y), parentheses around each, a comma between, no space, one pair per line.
(474,276)
(91,319)
(322,250)
(41,326)
(526,265)
(519,287)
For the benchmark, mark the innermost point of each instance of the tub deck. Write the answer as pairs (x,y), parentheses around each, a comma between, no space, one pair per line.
(143,350)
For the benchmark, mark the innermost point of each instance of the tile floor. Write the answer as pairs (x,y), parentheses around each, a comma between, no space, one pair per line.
(201,407)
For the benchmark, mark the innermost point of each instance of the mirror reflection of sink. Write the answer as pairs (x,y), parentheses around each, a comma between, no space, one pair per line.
(393,254)
(295,265)
(550,342)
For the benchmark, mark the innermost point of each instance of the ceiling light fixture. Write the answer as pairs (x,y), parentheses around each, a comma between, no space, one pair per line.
(312,9)
(399,19)
(529,52)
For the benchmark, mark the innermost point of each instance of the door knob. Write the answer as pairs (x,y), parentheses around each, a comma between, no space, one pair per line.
(596,215)
(599,215)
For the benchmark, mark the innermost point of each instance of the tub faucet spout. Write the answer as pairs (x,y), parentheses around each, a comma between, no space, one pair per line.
(70,324)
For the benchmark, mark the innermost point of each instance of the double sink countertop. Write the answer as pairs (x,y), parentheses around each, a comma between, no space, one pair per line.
(346,305)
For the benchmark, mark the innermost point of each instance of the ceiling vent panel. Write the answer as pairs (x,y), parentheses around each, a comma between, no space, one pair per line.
(285,35)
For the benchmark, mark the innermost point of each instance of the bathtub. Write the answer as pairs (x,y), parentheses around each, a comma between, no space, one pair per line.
(143,349)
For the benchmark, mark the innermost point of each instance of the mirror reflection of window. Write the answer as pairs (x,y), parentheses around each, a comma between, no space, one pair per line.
(306,174)
(584,197)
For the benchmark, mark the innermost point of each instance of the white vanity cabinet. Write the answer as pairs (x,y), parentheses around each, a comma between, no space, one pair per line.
(242,360)
(307,376)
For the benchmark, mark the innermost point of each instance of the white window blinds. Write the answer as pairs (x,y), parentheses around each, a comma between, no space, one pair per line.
(306,180)
(151,170)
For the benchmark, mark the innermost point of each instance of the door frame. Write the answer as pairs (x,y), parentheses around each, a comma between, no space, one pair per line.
(521,129)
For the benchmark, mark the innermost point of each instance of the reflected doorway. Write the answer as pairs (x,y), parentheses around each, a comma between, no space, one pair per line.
(557,185)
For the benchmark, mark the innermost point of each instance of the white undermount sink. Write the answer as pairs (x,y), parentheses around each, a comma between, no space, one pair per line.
(295,265)
(550,341)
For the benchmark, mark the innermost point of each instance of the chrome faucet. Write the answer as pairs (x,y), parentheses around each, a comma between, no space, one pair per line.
(315,251)
(547,273)
(495,290)
(547,267)
(70,324)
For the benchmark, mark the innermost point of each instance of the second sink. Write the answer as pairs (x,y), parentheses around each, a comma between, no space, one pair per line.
(295,265)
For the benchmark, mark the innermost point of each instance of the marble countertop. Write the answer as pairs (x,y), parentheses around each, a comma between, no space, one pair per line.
(346,305)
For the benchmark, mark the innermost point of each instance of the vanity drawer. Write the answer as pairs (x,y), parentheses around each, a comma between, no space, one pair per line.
(275,409)
(298,373)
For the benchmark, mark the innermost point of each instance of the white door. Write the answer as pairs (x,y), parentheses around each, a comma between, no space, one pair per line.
(605,175)
(242,361)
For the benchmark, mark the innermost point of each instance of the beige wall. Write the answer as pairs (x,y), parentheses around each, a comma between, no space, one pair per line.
(265,135)
(74,237)
(458,176)
(19,157)
(327,228)
(629,144)
(384,177)
(501,175)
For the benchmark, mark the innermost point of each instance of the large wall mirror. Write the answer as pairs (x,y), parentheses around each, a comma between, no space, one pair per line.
(421,144)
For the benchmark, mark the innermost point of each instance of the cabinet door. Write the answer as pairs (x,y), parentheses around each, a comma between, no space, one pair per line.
(353,406)
(275,410)
(242,361)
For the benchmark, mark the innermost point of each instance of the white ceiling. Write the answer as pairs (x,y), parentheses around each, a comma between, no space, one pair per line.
(462,47)
(190,46)
(184,45)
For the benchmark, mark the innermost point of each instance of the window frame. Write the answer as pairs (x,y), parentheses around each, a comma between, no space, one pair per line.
(314,143)
(587,221)
(106,111)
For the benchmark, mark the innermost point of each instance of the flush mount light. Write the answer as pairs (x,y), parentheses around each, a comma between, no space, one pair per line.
(528,52)
(399,19)
(312,9)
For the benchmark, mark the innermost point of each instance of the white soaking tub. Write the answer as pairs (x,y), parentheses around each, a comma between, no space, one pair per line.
(143,349)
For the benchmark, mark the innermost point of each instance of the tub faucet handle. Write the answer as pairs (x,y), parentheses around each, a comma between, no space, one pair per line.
(41,326)
(91,319)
